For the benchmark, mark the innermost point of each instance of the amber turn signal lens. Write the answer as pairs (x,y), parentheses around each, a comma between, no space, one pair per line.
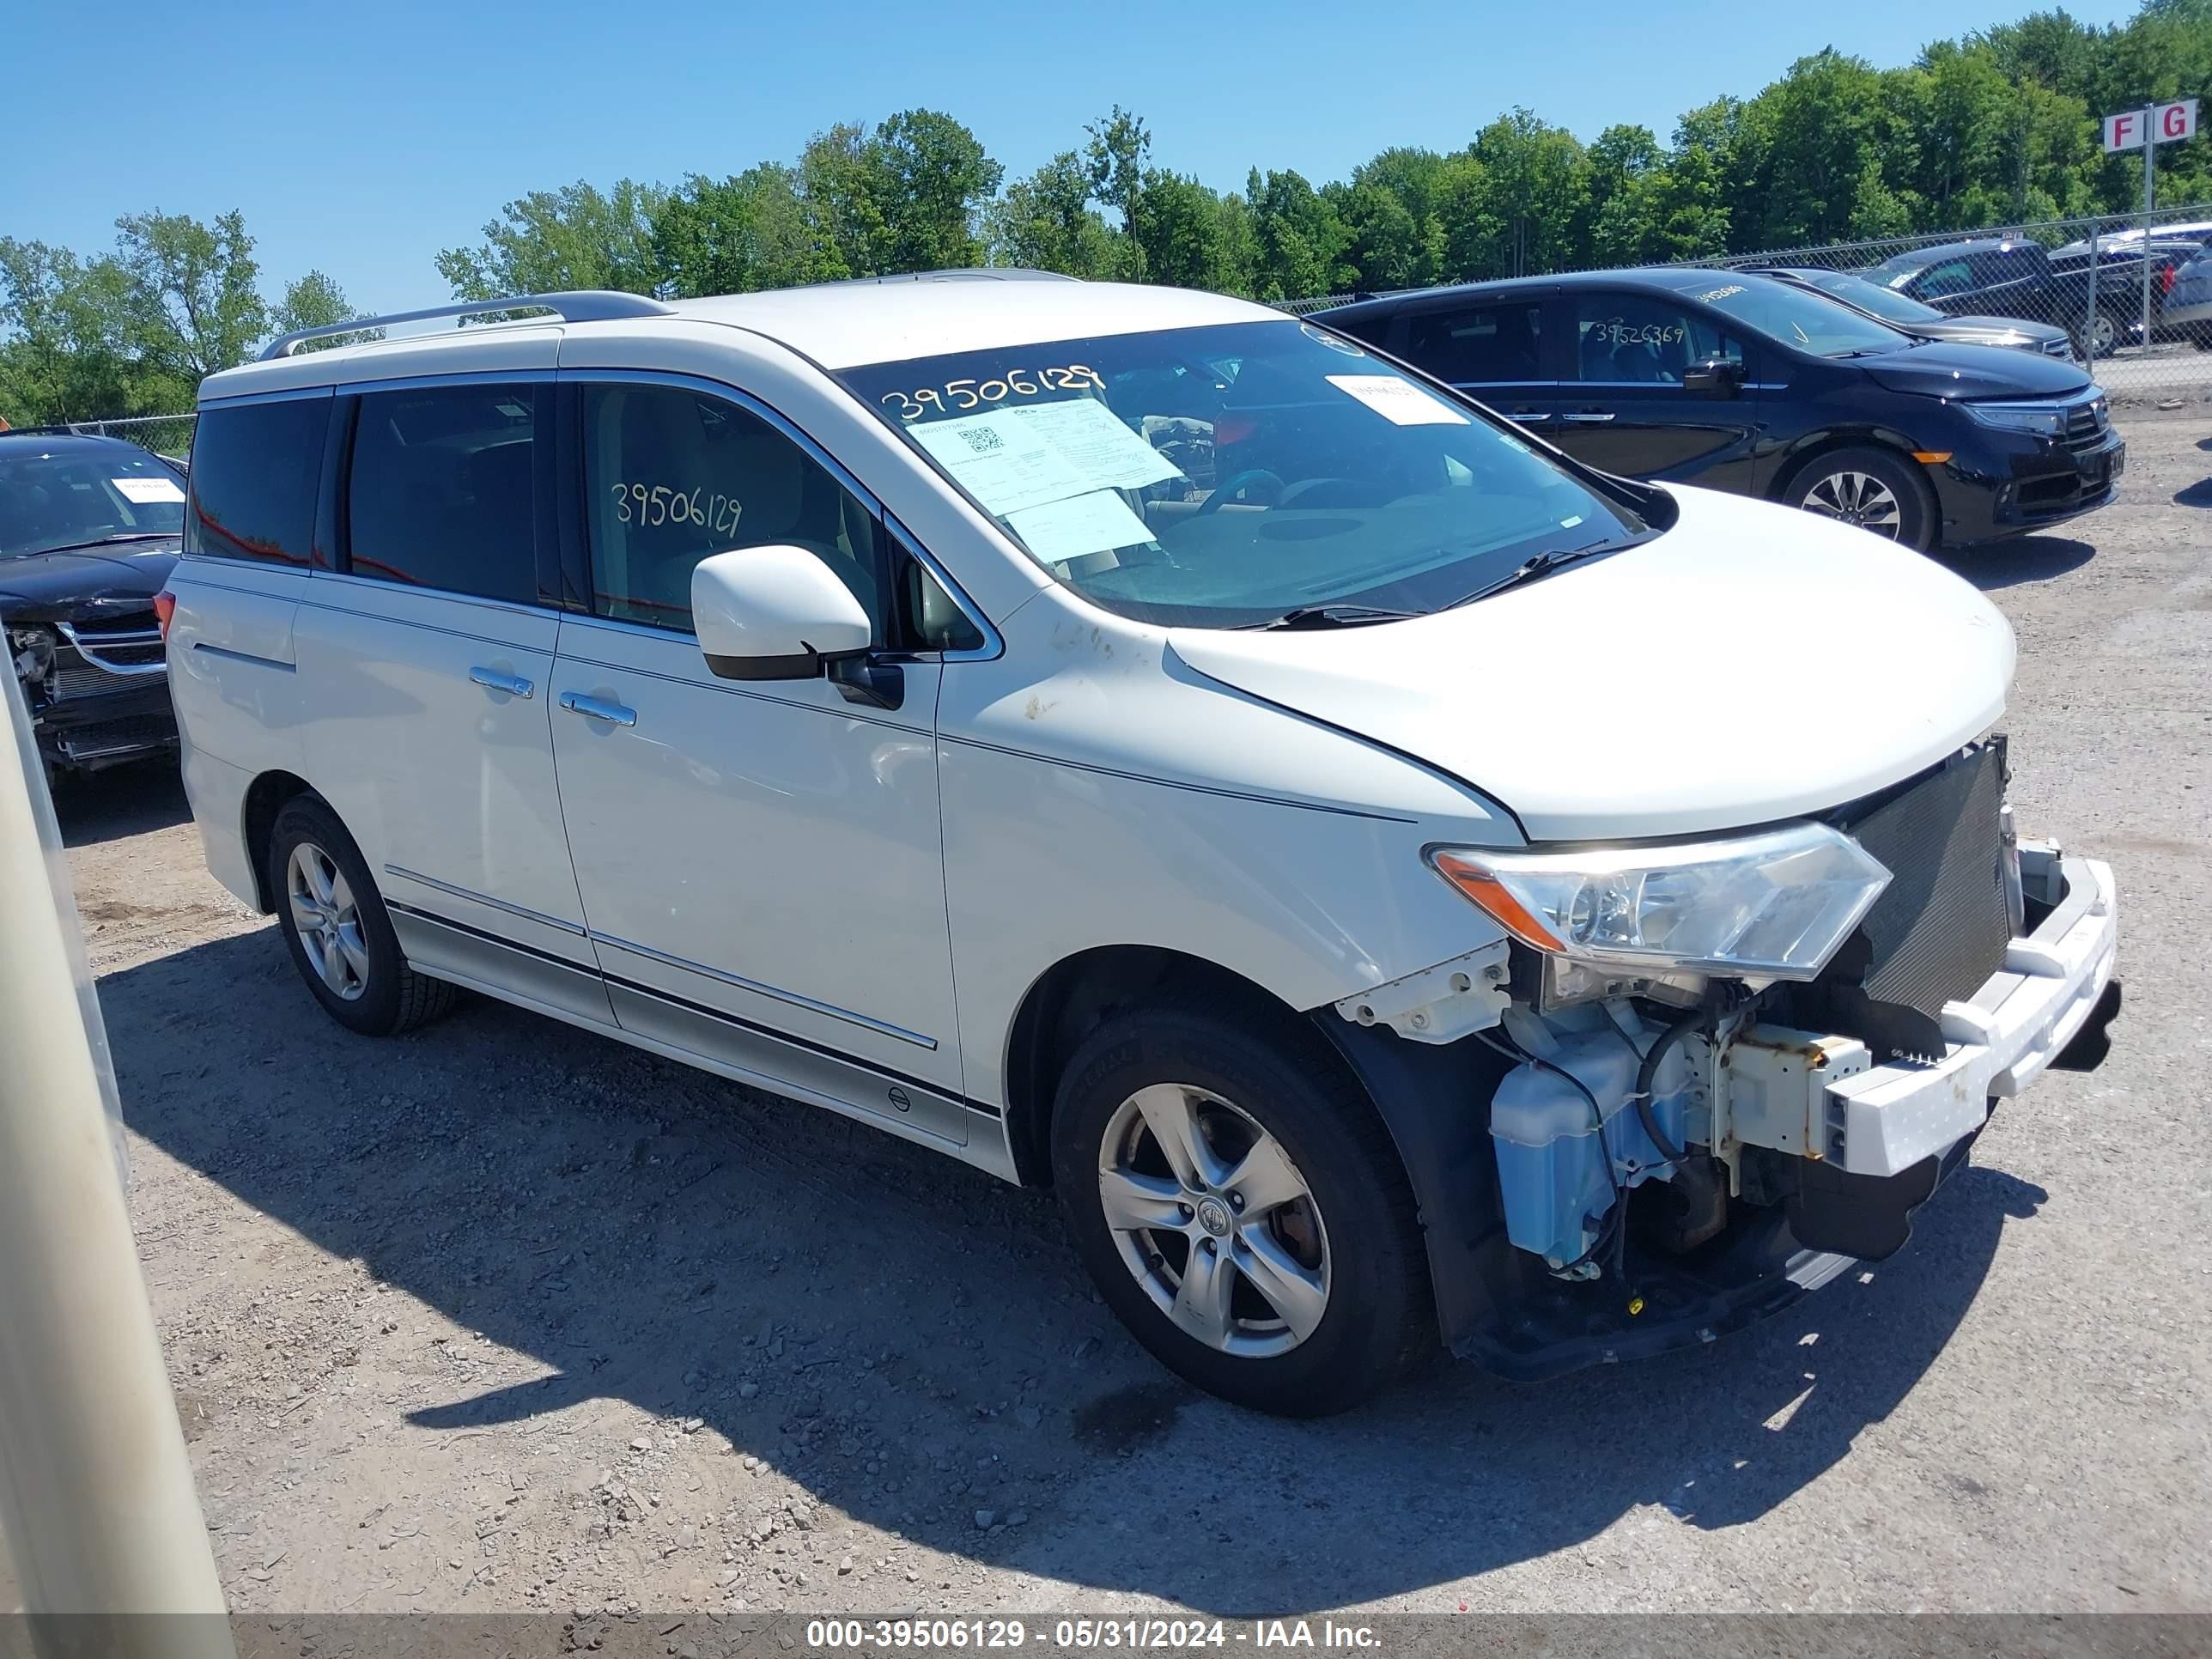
(1490,896)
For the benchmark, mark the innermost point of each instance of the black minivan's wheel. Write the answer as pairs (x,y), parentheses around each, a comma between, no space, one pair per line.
(1243,1209)
(335,929)
(1873,488)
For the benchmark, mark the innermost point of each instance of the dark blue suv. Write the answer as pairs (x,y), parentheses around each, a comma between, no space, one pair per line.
(1738,382)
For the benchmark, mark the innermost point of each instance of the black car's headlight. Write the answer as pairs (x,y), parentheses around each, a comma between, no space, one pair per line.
(32,650)
(2043,420)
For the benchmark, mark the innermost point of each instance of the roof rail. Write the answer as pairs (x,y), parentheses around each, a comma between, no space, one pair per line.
(952,274)
(588,305)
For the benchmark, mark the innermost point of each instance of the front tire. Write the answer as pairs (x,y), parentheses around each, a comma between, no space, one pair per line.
(1876,489)
(1242,1209)
(336,930)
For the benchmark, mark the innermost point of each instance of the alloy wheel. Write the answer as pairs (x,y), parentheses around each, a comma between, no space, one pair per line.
(1856,498)
(327,921)
(1213,1220)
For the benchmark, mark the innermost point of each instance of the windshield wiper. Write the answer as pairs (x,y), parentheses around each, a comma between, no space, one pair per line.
(1333,616)
(1539,565)
(109,541)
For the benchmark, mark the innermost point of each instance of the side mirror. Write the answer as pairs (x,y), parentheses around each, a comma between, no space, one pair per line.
(773,613)
(1721,376)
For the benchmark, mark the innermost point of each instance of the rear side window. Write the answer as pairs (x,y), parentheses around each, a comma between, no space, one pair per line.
(256,468)
(1493,343)
(440,493)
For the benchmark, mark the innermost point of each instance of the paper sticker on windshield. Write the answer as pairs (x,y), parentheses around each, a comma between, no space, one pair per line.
(1096,444)
(1399,401)
(1095,523)
(1002,461)
(143,491)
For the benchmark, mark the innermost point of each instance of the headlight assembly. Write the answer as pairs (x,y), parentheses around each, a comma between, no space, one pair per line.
(2044,420)
(32,650)
(1774,905)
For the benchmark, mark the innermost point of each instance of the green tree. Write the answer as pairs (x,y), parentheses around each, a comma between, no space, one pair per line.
(1045,222)
(732,235)
(552,239)
(1384,246)
(1536,185)
(1625,164)
(936,179)
(1118,144)
(1298,238)
(1802,148)
(194,304)
(1186,239)
(311,302)
(1691,195)
(315,302)
(70,352)
(908,196)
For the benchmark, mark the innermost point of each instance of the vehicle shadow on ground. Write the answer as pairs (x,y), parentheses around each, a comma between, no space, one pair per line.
(2008,564)
(124,800)
(2197,495)
(911,1340)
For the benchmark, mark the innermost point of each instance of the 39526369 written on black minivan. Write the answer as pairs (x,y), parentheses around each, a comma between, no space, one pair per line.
(1182,682)
(1743,383)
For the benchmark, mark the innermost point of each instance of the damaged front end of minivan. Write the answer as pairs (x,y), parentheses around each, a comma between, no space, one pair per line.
(1701,1078)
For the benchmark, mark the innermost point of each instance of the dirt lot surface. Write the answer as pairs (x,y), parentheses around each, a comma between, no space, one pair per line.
(505,1316)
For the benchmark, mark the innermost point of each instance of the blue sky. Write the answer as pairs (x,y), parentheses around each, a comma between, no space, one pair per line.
(363,138)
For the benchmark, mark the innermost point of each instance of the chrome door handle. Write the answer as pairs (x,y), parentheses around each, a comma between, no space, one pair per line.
(597,708)
(492,680)
(1528,417)
(1586,415)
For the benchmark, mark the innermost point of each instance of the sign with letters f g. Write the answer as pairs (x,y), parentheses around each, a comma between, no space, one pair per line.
(2163,124)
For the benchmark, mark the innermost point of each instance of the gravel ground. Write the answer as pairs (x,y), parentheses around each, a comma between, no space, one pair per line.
(506,1316)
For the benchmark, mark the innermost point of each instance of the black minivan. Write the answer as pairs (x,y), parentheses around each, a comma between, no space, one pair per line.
(1740,382)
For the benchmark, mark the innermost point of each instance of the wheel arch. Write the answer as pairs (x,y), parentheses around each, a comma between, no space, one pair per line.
(1432,1100)
(1812,447)
(266,797)
(1078,992)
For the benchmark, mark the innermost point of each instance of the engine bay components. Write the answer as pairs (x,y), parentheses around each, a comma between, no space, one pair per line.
(1569,1140)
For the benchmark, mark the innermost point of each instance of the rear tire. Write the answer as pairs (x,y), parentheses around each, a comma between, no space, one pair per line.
(1878,489)
(337,929)
(2110,331)
(1182,1139)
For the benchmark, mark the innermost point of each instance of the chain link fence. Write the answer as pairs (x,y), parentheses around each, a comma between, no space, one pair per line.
(165,434)
(2044,273)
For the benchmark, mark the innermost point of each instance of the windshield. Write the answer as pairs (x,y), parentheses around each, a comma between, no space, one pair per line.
(1227,477)
(73,495)
(1807,321)
(1885,302)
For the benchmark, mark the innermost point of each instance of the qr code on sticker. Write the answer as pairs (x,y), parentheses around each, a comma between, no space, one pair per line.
(982,439)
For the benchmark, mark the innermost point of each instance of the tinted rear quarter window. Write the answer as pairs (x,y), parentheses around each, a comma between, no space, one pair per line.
(255,470)
(440,493)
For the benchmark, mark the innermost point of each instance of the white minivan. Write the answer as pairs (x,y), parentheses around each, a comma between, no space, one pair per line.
(1392,882)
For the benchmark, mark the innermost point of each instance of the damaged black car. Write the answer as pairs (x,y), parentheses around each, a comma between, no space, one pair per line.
(89,529)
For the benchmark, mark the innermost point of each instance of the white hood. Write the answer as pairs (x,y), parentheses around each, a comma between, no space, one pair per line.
(1752,663)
